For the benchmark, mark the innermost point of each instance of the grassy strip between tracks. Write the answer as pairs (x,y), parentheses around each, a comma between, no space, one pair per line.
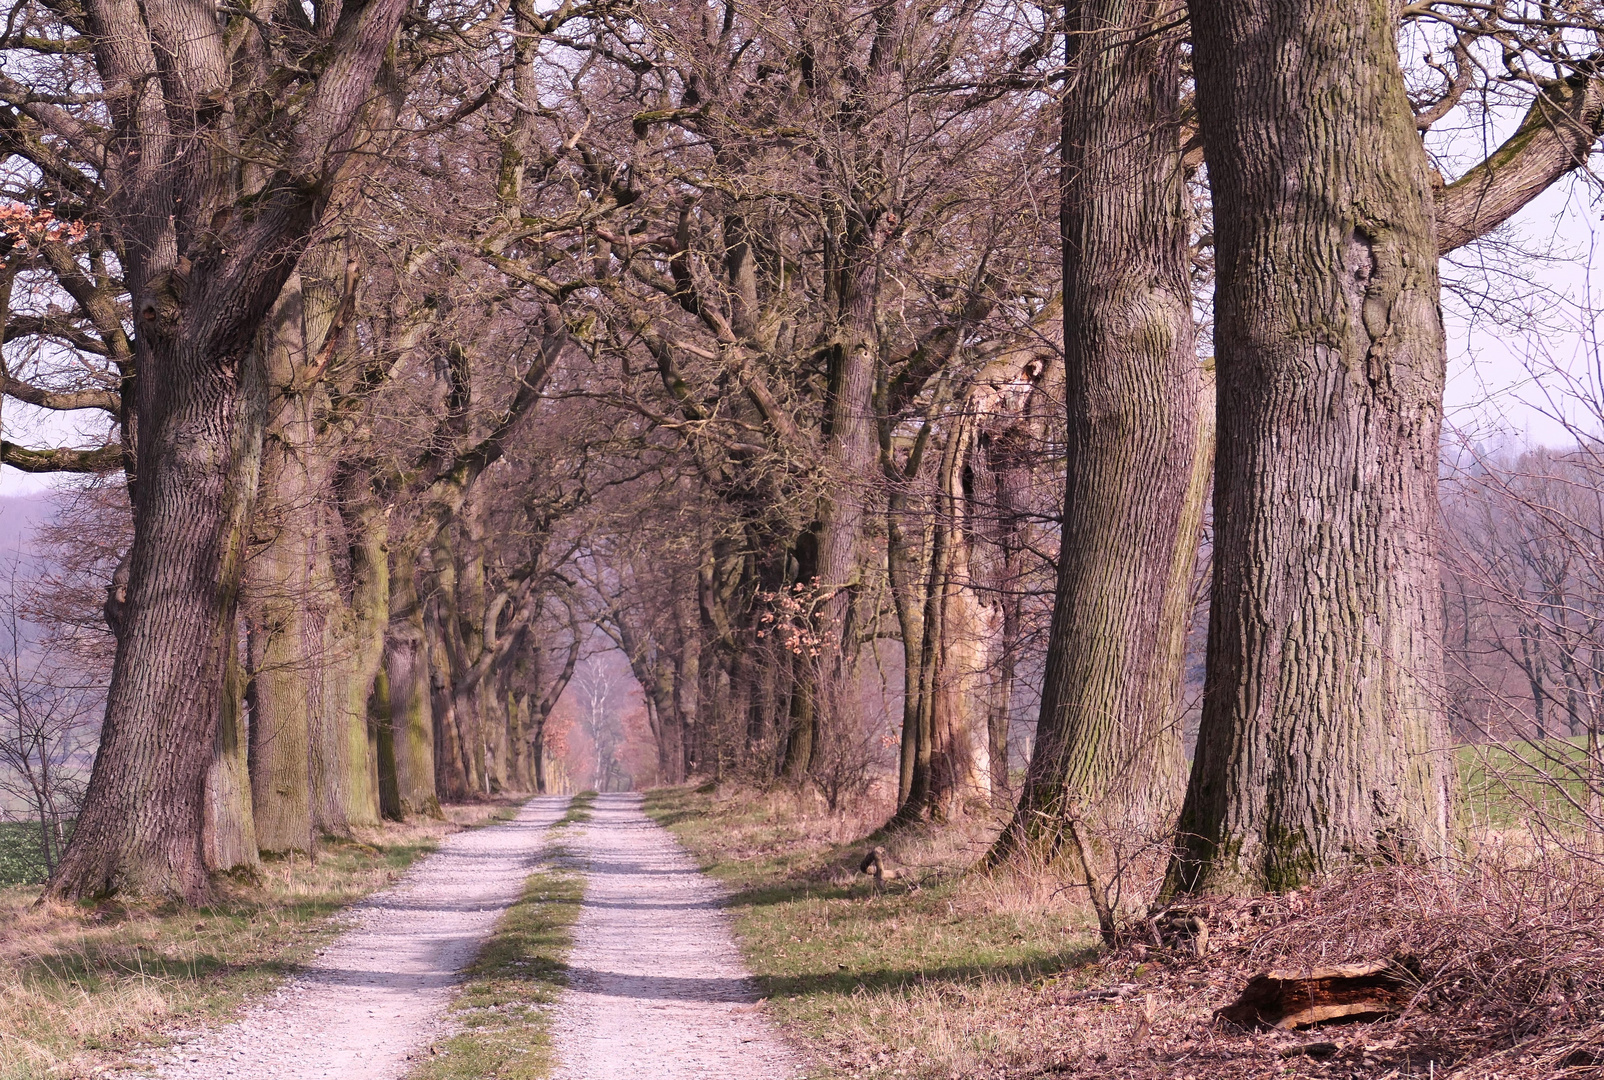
(503,1009)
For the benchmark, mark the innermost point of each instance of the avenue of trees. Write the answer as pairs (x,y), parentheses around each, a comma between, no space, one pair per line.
(952,353)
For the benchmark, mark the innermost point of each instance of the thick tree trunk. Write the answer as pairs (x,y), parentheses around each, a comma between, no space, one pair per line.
(367,533)
(802,719)
(671,728)
(1109,730)
(316,654)
(140,830)
(203,274)
(1012,475)
(325,658)
(385,779)
(690,698)
(519,775)
(465,597)
(967,653)
(950,752)
(498,753)
(537,754)
(280,768)
(803,676)
(830,558)
(851,451)
(288,641)
(452,780)
(1323,726)
(906,565)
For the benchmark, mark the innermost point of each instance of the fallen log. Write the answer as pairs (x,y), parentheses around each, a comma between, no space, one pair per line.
(1349,993)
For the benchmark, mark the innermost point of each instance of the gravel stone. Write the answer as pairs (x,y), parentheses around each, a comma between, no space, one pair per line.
(378,994)
(657,988)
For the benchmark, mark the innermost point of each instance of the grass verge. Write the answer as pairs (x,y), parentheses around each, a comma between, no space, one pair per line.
(948,975)
(81,987)
(503,1008)
(921,980)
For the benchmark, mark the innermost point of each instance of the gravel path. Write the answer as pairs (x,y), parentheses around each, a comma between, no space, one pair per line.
(378,993)
(658,990)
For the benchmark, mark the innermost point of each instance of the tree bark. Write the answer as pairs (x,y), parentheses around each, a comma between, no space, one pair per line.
(1323,727)
(367,617)
(141,828)
(229,827)
(203,274)
(851,446)
(690,697)
(288,646)
(407,681)
(451,755)
(1109,730)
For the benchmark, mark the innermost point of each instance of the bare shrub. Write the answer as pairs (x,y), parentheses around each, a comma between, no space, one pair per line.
(49,708)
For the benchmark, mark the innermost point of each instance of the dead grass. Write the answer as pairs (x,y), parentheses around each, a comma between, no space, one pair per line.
(80,987)
(950,975)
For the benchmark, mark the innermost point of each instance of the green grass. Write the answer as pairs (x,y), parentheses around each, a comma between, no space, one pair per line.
(859,977)
(1504,785)
(578,811)
(22,860)
(503,1007)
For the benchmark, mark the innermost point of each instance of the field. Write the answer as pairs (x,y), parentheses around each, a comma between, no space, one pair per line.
(21,856)
(1551,784)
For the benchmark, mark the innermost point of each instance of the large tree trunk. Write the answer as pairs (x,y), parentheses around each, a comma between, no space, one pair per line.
(203,274)
(466,597)
(950,760)
(1109,734)
(1011,454)
(140,830)
(660,684)
(691,702)
(1323,726)
(326,649)
(288,640)
(830,558)
(906,565)
(851,451)
(452,780)
(368,615)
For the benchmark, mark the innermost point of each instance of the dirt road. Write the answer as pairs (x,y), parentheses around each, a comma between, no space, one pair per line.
(379,992)
(658,990)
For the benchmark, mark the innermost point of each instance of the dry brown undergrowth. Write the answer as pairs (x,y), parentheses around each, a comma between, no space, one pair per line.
(1510,951)
(1511,981)
(79,986)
